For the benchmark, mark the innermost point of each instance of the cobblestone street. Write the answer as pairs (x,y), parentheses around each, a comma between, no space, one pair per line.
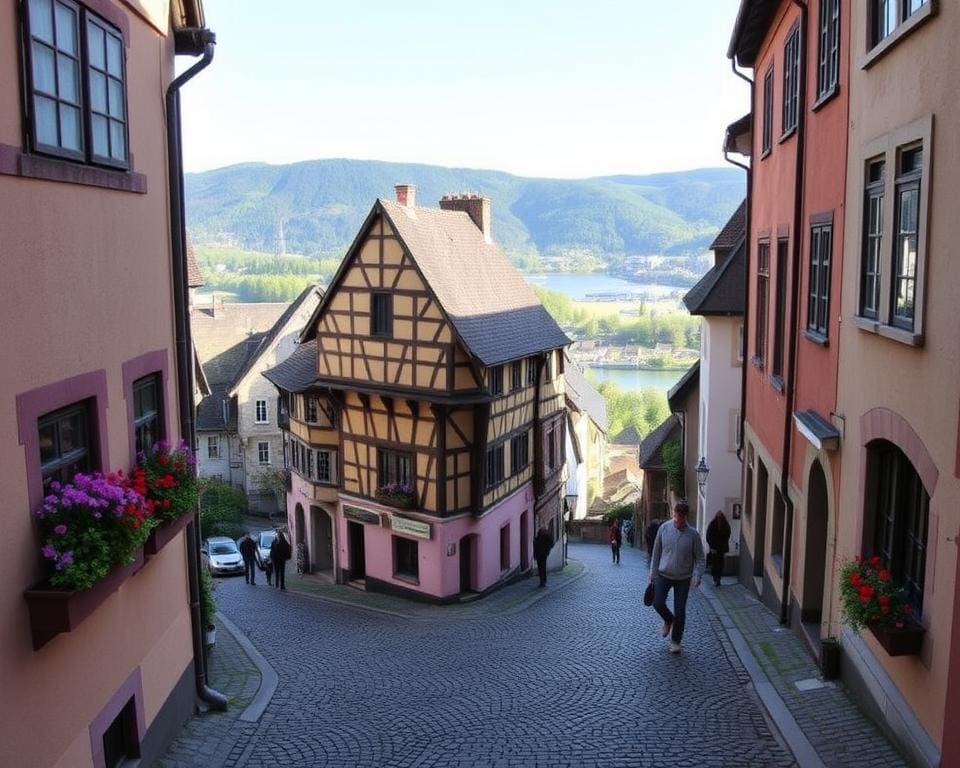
(580,677)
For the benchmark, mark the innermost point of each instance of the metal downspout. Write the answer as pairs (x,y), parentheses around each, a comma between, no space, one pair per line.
(746,270)
(184,353)
(791,381)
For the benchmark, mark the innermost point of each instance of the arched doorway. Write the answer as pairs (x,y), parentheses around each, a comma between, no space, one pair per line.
(321,544)
(815,552)
(300,541)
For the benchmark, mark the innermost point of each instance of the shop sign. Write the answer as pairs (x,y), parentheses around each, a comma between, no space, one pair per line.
(361,515)
(410,527)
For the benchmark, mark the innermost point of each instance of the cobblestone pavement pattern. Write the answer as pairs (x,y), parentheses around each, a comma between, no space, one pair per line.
(578,678)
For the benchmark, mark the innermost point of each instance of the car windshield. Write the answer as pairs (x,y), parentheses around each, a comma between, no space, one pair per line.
(266,538)
(223,548)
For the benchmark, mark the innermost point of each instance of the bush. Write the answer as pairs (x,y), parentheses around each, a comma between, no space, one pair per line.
(222,508)
(208,601)
(619,512)
(673,460)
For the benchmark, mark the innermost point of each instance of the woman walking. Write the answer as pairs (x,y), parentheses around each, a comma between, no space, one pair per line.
(616,539)
(718,539)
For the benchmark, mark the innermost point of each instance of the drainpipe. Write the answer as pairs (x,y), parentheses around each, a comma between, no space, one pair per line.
(791,381)
(192,41)
(746,270)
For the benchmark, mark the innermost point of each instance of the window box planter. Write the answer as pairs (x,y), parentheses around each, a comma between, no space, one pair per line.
(397,499)
(900,641)
(164,534)
(53,611)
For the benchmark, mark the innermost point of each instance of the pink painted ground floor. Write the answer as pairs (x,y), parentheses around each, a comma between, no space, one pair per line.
(406,552)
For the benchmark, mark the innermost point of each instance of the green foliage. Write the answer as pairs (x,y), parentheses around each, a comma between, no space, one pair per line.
(208,600)
(620,512)
(272,480)
(673,460)
(222,508)
(580,223)
(644,410)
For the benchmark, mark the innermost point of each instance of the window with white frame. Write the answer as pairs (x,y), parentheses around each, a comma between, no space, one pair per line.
(263,453)
(213,447)
(262,414)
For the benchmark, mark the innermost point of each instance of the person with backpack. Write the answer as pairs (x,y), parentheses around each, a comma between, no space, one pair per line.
(280,552)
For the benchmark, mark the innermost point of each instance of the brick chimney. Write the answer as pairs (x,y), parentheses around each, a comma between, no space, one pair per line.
(406,195)
(478,208)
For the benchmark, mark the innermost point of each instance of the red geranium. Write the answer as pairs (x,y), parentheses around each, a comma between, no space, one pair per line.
(869,595)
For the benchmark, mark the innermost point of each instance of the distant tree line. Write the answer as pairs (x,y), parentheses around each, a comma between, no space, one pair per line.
(645,410)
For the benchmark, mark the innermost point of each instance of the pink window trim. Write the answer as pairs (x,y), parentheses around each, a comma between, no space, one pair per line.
(136,368)
(33,404)
(131,687)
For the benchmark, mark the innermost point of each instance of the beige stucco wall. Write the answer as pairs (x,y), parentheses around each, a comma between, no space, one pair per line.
(913,81)
(86,287)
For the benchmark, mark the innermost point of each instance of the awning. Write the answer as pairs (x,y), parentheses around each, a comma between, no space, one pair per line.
(821,433)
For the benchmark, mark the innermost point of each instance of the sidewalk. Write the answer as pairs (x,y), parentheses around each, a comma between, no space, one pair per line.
(818,719)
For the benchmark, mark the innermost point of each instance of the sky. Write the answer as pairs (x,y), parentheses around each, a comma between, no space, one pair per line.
(550,88)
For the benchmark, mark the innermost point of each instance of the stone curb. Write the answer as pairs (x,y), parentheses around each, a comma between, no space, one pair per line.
(803,751)
(268,677)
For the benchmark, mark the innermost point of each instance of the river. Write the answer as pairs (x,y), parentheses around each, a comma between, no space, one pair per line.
(580,286)
(634,379)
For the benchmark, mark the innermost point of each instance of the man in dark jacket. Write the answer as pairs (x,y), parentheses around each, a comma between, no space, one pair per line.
(248,549)
(542,544)
(280,552)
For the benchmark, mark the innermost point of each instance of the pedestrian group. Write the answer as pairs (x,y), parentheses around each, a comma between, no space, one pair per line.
(274,566)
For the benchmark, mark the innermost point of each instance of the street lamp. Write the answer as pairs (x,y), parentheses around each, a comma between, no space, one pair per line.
(702,471)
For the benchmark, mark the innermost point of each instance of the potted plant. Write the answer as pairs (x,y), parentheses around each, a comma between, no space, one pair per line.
(208,607)
(871,599)
(397,495)
(169,478)
(92,531)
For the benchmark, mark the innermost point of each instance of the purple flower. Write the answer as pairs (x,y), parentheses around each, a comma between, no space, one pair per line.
(60,530)
(66,558)
(48,551)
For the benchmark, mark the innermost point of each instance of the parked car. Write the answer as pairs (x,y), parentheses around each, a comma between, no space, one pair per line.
(222,556)
(264,540)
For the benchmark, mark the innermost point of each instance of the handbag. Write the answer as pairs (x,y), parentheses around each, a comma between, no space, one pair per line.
(648,595)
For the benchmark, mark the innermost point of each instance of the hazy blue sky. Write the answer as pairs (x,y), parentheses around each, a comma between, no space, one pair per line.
(563,88)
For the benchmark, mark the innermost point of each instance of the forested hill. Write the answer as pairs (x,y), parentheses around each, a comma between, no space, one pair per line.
(321,204)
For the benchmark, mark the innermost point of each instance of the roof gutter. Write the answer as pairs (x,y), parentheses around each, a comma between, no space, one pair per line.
(791,382)
(193,42)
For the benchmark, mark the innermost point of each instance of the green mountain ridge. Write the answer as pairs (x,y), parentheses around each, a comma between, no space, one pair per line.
(322,203)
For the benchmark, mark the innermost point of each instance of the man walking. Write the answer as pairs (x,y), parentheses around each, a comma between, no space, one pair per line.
(248,549)
(676,560)
(616,540)
(542,544)
(280,552)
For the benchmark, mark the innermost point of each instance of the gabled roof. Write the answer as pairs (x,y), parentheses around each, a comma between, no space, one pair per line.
(628,436)
(753,21)
(722,290)
(194,275)
(680,391)
(496,315)
(583,396)
(651,456)
(733,231)
(298,372)
(210,412)
(311,292)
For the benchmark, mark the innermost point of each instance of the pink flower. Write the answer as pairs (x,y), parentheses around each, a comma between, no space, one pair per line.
(60,530)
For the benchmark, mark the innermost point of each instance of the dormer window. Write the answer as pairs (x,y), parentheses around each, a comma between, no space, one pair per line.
(381,315)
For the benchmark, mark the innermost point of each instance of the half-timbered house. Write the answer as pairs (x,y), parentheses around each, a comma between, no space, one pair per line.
(426,414)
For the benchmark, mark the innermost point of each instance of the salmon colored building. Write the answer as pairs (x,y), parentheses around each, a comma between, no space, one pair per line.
(94,284)
(798,57)
(900,364)
(425,409)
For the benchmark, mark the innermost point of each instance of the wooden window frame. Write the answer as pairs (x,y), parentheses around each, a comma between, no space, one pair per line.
(767,135)
(496,380)
(83,458)
(256,413)
(389,467)
(890,148)
(519,453)
(494,466)
(84,18)
(828,55)
(763,304)
(215,445)
(516,375)
(906,182)
(871,262)
(140,419)
(260,453)
(819,281)
(381,315)
(792,61)
(325,466)
(780,312)
(531,371)
(311,410)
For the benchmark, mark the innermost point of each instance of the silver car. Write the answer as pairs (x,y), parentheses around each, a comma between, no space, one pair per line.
(222,556)
(264,540)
